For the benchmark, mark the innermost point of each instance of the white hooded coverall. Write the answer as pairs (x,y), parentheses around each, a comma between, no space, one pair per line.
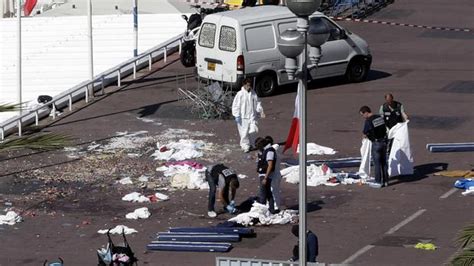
(247,106)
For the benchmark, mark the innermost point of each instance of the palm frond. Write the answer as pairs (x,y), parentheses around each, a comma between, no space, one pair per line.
(466,237)
(10,107)
(46,141)
(464,257)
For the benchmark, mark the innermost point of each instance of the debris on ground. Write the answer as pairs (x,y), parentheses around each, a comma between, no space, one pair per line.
(10,218)
(135,197)
(140,213)
(260,215)
(181,150)
(209,102)
(315,149)
(425,246)
(117,230)
(125,181)
(185,176)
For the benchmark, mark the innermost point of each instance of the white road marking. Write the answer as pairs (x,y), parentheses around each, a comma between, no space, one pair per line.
(357,254)
(389,232)
(404,222)
(449,193)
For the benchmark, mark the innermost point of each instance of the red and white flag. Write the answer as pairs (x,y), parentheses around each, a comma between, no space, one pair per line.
(294,135)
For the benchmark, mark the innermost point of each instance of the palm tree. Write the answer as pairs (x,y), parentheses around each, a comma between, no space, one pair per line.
(465,240)
(39,141)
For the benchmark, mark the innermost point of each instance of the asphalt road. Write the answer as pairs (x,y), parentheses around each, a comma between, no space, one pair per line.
(430,71)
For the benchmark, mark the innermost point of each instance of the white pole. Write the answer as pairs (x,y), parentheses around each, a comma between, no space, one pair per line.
(302,26)
(19,86)
(135,27)
(89,36)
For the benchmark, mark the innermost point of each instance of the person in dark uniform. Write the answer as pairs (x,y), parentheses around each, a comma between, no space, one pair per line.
(312,245)
(221,178)
(375,131)
(265,167)
(392,112)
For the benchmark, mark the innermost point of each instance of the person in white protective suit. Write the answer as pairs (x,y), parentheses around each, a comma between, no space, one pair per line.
(246,109)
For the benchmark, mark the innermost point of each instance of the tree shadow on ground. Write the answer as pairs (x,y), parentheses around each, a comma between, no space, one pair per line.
(420,172)
(331,82)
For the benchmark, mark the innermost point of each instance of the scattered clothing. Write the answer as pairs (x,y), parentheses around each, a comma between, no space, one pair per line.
(316,175)
(400,160)
(260,215)
(141,213)
(185,176)
(182,150)
(10,218)
(190,163)
(135,197)
(117,230)
(425,246)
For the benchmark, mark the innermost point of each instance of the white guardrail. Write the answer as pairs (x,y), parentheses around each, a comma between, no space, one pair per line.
(228,261)
(85,89)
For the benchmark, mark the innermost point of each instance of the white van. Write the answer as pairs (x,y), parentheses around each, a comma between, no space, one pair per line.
(242,43)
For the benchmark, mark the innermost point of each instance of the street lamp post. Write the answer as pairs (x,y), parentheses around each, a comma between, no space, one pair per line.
(293,43)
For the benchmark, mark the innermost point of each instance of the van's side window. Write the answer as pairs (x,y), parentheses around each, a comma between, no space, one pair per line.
(207,35)
(227,39)
(260,38)
(286,25)
(331,28)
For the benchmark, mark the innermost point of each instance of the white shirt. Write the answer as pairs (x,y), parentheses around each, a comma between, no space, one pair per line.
(246,105)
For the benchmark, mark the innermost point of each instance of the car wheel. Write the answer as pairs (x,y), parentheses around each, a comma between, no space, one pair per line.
(266,85)
(187,56)
(357,71)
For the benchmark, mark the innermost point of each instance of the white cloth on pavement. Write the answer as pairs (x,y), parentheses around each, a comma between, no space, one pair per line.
(181,150)
(10,218)
(365,158)
(125,181)
(140,213)
(261,212)
(185,176)
(161,196)
(143,178)
(400,160)
(247,106)
(135,197)
(315,175)
(117,230)
(315,149)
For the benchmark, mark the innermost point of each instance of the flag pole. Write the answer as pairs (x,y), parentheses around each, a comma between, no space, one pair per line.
(19,76)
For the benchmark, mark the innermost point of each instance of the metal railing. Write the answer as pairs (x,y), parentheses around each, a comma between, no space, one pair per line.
(87,88)
(228,261)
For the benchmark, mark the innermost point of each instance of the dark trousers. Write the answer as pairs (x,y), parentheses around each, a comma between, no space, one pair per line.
(212,191)
(266,194)
(379,155)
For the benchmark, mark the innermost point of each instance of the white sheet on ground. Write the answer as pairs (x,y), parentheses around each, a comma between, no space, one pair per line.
(10,218)
(140,213)
(365,155)
(118,230)
(315,149)
(400,160)
(264,217)
(185,176)
(315,175)
(135,197)
(182,150)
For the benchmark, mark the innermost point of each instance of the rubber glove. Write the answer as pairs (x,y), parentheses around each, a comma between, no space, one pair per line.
(232,203)
(238,120)
(230,209)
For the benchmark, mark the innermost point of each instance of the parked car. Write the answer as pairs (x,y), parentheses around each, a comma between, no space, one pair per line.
(242,43)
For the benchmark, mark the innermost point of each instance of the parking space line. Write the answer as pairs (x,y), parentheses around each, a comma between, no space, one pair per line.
(389,232)
(404,222)
(449,193)
(357,254)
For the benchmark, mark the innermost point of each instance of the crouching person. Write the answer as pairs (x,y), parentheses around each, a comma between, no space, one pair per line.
(226,182)
(312,245)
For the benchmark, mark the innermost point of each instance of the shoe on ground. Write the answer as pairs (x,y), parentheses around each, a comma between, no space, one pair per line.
(212,214)
(375,185)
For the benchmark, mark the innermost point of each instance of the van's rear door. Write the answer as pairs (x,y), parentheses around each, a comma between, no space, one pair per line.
(218,50)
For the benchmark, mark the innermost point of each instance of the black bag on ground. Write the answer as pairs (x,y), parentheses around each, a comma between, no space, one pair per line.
(117,255)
